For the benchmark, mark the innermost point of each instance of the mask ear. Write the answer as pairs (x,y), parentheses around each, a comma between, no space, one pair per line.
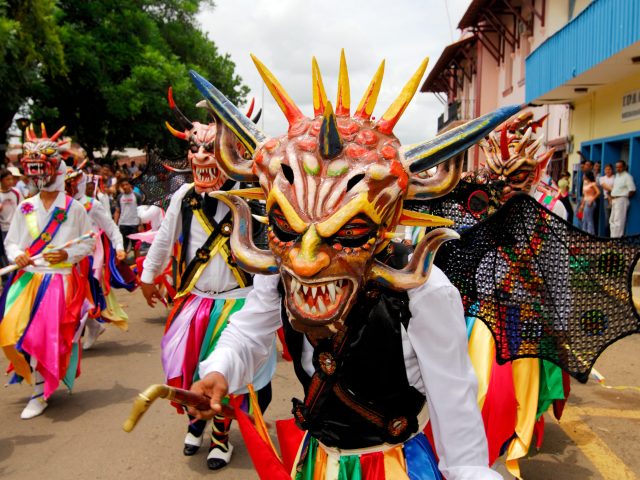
(541,167)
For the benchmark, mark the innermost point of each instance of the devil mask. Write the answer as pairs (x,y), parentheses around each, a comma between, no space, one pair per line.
(511,156)
(334,186)
(207,176)
(41,160)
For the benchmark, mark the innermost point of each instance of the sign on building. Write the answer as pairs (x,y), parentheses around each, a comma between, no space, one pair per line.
(631,106)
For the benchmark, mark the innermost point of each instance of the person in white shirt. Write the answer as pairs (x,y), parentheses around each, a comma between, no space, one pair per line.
(106,307)
(126,214)
(623,189)
(211,285)
(606,182)
(42,304)
(10,197)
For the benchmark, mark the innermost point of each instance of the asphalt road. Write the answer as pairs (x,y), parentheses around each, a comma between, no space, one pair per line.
(80,434)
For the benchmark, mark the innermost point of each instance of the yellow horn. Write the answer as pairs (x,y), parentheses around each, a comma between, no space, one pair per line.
(343,104)
(390,118)
(370,97)
(319,94)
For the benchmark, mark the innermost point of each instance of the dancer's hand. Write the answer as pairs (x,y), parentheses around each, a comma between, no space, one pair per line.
(23,260)
(151,293)
(121,255)
(56,257)
(215,386)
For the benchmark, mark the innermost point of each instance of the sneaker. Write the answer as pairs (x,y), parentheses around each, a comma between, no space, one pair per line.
(218,459)
(92,331)
(34,408)
(191,444)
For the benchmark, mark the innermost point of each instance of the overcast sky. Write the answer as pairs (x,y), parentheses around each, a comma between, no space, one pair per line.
(285,34)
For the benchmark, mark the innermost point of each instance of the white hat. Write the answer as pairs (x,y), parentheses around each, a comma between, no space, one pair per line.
(14,171)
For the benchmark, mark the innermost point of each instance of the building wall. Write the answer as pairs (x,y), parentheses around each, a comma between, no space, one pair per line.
(598,114)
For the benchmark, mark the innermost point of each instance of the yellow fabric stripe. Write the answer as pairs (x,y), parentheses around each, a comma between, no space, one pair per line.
(261,427)
(482,351)
(32,224)
(394,464)
(298,455)
(333,467)
(196,276)
(526,380)
(226,254)
(320,469)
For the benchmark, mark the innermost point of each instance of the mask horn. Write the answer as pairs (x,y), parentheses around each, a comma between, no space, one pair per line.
(370,97)
(174,132)
(58,133)
(329,137)
(253,104)
(425,155)
(248,257)
(504,145)
(257,117)
(343,104)
(282,98)
(242,127)
(390,118)
(319,93)
(43,131)
(182,119)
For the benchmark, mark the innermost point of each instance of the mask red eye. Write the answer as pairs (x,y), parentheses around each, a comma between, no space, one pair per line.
(356,232)
(281,226)
(194,148)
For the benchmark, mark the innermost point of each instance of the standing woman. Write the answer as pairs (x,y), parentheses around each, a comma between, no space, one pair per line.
(590,193)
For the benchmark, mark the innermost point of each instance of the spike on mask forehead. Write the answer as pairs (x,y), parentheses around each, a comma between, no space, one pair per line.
(343,104)
(329,137)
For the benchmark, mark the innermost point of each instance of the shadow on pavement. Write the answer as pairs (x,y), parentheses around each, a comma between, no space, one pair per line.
(8,445)
(112,348)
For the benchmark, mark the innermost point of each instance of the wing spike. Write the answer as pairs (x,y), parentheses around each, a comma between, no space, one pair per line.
(370,97)
(319,93)
(524,140)
(390,118)
(343,104)
(282,98)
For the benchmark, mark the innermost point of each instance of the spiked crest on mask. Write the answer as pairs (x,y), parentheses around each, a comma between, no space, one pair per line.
(334,186)
(207,176)
(511,155)
(42,156)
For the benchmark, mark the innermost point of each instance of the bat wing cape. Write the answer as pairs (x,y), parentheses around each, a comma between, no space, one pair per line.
(544,288)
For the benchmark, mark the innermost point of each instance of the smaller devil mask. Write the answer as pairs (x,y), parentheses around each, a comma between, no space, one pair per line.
(511,156)
(207,176)
(42,156)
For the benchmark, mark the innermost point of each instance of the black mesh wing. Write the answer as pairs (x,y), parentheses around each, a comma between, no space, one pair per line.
(544,288)
(158,183)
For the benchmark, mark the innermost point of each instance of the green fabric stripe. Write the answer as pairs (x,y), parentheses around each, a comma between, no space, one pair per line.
(350,468)
(550,386)
(70,376)
(16,289)
(310,461)
(210,340)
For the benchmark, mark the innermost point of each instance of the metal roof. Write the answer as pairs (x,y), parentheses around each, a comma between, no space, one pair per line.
(444,61)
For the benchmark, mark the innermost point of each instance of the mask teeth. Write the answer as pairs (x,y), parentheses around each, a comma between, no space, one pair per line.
(314,299)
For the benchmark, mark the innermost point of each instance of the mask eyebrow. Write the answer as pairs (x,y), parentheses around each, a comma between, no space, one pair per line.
(294,220)
(359,204)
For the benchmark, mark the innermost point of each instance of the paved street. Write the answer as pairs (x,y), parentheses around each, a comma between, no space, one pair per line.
(81,434)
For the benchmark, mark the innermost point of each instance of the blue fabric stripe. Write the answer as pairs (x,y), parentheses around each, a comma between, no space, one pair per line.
(421,461)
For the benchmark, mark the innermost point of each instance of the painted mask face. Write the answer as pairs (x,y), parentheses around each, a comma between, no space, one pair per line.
(41,156)
(511,156)
(72,182)
(334,187)
(207,176)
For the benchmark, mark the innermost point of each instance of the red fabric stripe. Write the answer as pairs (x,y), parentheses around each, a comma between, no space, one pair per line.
(289,439)
(500,409)
(372,466)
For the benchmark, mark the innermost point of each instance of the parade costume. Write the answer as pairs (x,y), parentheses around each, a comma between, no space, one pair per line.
(210,287)
(100,268)
(41,305)
(532,279)
(375,339)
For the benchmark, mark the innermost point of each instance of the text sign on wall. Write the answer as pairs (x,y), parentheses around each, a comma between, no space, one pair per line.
(631,106)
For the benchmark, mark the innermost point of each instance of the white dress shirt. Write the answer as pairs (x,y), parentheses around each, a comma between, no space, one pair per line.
(216,277)
(102,220)
(436,360)
(623,184)
(77,224)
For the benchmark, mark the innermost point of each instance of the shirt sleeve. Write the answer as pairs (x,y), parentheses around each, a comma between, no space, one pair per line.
(247,341)
(106,223)
(632,184)
(437,334)
(78,251)
(161,249)
(12,238)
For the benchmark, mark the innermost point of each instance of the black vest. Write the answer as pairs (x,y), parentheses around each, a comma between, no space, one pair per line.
(359,395)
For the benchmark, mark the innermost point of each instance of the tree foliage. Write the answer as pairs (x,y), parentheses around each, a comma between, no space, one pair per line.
(120,57)
(30,48)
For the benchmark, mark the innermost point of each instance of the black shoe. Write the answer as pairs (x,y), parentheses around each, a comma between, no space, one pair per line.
(216,463)
(218,458)
(190,450)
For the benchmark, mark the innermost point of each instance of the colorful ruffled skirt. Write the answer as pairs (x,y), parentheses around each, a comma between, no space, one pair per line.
(413,460)
(513,397)
(191,334)
(40,316)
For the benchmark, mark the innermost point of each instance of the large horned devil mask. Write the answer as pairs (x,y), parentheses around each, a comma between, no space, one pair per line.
(42,156)
(335,185)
